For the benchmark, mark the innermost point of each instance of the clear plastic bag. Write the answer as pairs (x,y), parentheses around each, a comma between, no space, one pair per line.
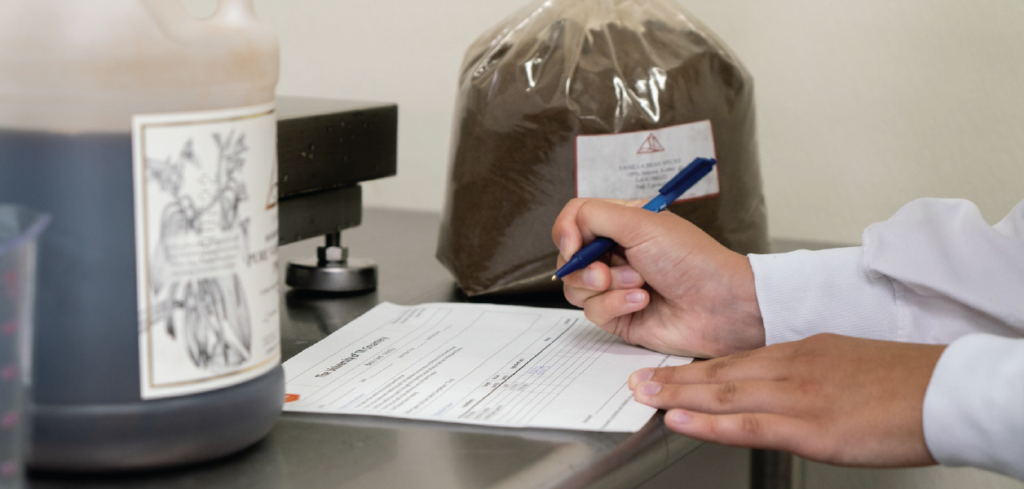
(560,69)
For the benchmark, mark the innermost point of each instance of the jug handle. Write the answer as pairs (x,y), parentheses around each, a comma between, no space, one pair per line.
(175,20)
(172,18)
(235,12)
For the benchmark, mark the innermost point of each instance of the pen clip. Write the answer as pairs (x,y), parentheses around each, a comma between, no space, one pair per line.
(690,175)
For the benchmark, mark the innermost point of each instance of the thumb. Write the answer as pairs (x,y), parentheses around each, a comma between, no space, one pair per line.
(627,225)
(566,233)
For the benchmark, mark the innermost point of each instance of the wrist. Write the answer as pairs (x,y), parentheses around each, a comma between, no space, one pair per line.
(744,321)
(746,302)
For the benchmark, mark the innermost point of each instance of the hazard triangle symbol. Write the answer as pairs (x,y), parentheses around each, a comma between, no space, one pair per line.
(651,145)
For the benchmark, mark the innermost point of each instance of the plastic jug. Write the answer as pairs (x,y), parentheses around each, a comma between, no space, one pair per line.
(150,137)
(19,229)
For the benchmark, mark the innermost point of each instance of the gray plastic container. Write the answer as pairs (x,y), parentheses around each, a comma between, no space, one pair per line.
(66,148)
(87,410)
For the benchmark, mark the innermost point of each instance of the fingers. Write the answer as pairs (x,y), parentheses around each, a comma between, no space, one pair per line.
(566,232)
(723,398)
(738,407)
(753,430)
(762,364)
(600,277)
(625,277)
(602,309)
(626,225)
(828,398)
(581,220)
(581,285)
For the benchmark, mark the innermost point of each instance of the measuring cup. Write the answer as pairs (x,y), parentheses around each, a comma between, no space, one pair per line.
(19,229)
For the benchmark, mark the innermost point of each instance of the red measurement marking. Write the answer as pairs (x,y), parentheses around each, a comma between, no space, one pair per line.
(9,372)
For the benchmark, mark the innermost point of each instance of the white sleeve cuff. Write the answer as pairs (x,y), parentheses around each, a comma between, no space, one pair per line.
(804,293)
(974,406)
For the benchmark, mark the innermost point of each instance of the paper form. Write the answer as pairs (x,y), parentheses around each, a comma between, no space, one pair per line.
(490,365)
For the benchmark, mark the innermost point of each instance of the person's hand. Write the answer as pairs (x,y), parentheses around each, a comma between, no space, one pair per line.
(830,398)
(669,287)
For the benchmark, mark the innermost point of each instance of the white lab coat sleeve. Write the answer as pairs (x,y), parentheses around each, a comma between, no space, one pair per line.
(974,406)
(953,274)
(932,273)
(804,293)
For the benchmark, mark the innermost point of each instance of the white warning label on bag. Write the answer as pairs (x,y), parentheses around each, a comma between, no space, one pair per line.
(206,248)
(635,165)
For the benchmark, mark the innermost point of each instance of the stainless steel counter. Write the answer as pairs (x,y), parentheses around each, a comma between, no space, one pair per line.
(321,451)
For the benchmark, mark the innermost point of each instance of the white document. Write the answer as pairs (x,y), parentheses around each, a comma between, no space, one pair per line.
(478,364)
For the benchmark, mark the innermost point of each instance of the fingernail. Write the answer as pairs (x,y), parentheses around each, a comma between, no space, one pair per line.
(642,375)
(629,276)
(677,417)
(591,279)
(650,388)
(635,297)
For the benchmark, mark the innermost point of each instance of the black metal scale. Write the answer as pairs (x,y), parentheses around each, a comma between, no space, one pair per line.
(325,148)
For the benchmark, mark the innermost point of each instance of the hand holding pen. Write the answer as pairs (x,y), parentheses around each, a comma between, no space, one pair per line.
(667,273)
(677,186)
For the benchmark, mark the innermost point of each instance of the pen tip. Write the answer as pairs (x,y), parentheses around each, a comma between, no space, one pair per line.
(554,277)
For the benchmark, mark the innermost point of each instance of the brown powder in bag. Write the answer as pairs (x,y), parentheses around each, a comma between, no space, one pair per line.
(583,67)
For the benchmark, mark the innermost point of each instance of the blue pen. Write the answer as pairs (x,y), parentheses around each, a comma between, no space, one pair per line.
(686,178)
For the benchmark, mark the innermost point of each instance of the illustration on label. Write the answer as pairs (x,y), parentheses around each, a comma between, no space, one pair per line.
(635,165)
(206,248)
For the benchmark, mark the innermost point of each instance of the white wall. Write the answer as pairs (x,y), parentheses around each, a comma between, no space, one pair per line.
(404,51)
(866,105)
(863,106)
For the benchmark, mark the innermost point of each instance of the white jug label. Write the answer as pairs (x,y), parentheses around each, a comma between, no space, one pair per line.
(634,165)
(206,248)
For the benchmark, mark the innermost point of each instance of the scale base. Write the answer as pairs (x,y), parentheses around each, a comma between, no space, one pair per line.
(353,275)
